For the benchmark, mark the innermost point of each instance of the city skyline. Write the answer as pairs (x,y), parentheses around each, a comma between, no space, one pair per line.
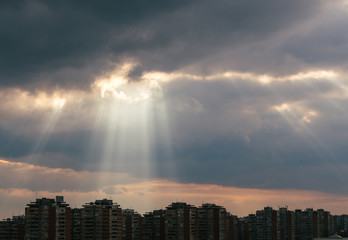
(53,218)
(109,201)
(243,103)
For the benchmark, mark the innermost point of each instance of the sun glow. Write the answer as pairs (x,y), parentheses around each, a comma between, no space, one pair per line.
(144,194)
(283,107)
(119,85)
(59,102)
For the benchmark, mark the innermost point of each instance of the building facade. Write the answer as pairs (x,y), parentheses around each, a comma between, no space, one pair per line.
(12,229)
(101,219)
(48,219)
(181,222)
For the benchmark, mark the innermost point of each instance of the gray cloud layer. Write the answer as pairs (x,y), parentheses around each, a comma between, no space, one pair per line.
(226,132)
(67,44)
(230,130)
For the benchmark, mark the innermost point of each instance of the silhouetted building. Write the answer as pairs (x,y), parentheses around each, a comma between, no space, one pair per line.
(148,226)
(267,221)
(53,219)
(154,225)
(252,227)
(181,222)
(101,220)
(76,224)
(243,228)
(232,227)
(131,225)
(12,229)
(48,219)
(304,224)
(286,224)
(212,222)
(159,224)
(63,219)
(321,223)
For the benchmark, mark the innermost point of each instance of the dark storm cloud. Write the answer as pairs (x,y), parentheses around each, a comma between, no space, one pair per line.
(202,33)
(240,140)
(135,74)
(225,132)
(70,43)
(40,37)
(230,131)
(324,43)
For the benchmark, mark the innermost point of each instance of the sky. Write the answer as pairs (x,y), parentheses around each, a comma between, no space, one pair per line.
(241,103)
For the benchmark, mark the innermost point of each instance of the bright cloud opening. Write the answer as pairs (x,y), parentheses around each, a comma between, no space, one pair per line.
(296,112)
(119,85)
(232,75)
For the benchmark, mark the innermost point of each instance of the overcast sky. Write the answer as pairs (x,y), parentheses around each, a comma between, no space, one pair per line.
(167,101)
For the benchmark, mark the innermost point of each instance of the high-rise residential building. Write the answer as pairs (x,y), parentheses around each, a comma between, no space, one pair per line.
(131,225)
(148,226)
(286,224)
(332,225)
(212,222)
(290,225)
(297,222)
(159,224)
(154,225)
(40,219)
(342,223)
(267,224)
(63,219)
(12,229)
(101,220)
(48,219)
(243,228)
(232,227)
(252,227)
(76,224)
(304,224)
(283,223)
(321,223)
(181,222)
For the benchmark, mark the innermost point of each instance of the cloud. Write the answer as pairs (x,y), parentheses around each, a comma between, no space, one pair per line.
(146,195)
(231,129)
(52,45)
(68,44)
(248,94)
(38,178)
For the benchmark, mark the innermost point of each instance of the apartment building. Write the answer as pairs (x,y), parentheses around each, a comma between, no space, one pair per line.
(101,219)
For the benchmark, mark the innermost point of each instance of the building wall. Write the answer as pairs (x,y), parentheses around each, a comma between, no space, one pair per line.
(101,220)
(12,229)
(212,222)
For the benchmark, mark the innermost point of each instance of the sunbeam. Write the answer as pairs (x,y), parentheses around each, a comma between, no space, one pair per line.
(130,124)
(54,115)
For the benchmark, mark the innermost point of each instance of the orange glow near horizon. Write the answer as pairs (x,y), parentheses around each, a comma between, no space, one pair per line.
(147,195)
